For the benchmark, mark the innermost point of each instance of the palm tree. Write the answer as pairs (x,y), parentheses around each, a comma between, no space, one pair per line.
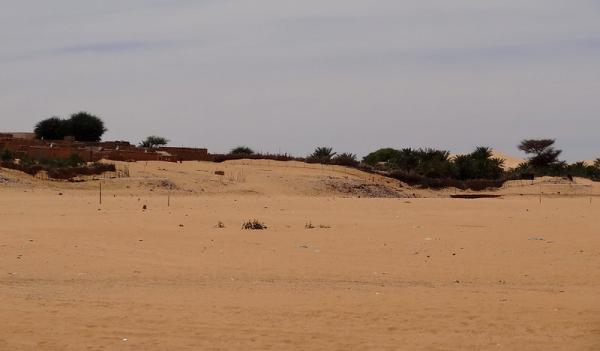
(322,154)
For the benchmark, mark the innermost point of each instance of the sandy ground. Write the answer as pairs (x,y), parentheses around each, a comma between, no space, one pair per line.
(398,273)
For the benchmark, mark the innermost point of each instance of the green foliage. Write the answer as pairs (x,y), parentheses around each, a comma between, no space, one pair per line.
(478,165)
(7,156)
(381,155)
(581,169)
(241,150)
(433,168)
(53,128)
(542,151)
(74,160)
(65,169)
(82,126)
(345,159)
(429,163)
(154,141)
(321,154)
(86,127)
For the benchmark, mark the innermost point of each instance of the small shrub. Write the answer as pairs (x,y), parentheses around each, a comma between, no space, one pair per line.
(309,226)
(254,225)
(154,141)
(241,150)
(275,157)
(220,225)
(7,156)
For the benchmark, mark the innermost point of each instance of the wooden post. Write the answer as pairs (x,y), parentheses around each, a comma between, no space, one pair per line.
(100,193)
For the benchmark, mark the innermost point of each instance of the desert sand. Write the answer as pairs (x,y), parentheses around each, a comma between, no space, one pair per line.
(386,267)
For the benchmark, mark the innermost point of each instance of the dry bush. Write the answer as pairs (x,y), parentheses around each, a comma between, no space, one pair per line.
(254,225)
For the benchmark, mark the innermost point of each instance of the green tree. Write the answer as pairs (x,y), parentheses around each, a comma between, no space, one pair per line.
(86,127)
(154,141)
(345,159)
(542,151)
(381,155)
(6,156)
(53,128)
(321,154)
(241,150)
(480,164)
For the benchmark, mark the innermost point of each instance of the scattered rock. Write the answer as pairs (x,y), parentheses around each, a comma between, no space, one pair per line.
(144,207)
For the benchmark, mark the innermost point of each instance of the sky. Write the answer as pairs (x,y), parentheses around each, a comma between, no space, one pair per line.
(287,76)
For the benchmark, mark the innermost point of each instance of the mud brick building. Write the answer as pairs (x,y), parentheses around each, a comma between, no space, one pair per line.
(25,144)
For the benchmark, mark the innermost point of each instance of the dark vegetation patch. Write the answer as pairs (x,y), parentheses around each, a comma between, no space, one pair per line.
(56,168)
(436,169)
(253,225)
(81,126)
(255,156)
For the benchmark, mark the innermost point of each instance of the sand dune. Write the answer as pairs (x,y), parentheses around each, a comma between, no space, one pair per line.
(509,160)
(425,273)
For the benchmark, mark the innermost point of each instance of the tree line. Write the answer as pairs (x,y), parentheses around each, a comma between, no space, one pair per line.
(434,168)
(424,166)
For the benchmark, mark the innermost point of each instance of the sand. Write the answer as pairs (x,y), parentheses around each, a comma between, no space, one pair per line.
(417,272)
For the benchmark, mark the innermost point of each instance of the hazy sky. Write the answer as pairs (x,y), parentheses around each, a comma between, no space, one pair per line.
(282,75)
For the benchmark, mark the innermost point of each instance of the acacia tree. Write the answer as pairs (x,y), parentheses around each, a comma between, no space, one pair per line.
(241,150)
(154,141)
(81,126)
(381,155)
(86,127)
(542,151)
(53,128)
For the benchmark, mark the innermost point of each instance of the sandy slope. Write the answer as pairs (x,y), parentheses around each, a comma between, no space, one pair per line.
(387,274)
